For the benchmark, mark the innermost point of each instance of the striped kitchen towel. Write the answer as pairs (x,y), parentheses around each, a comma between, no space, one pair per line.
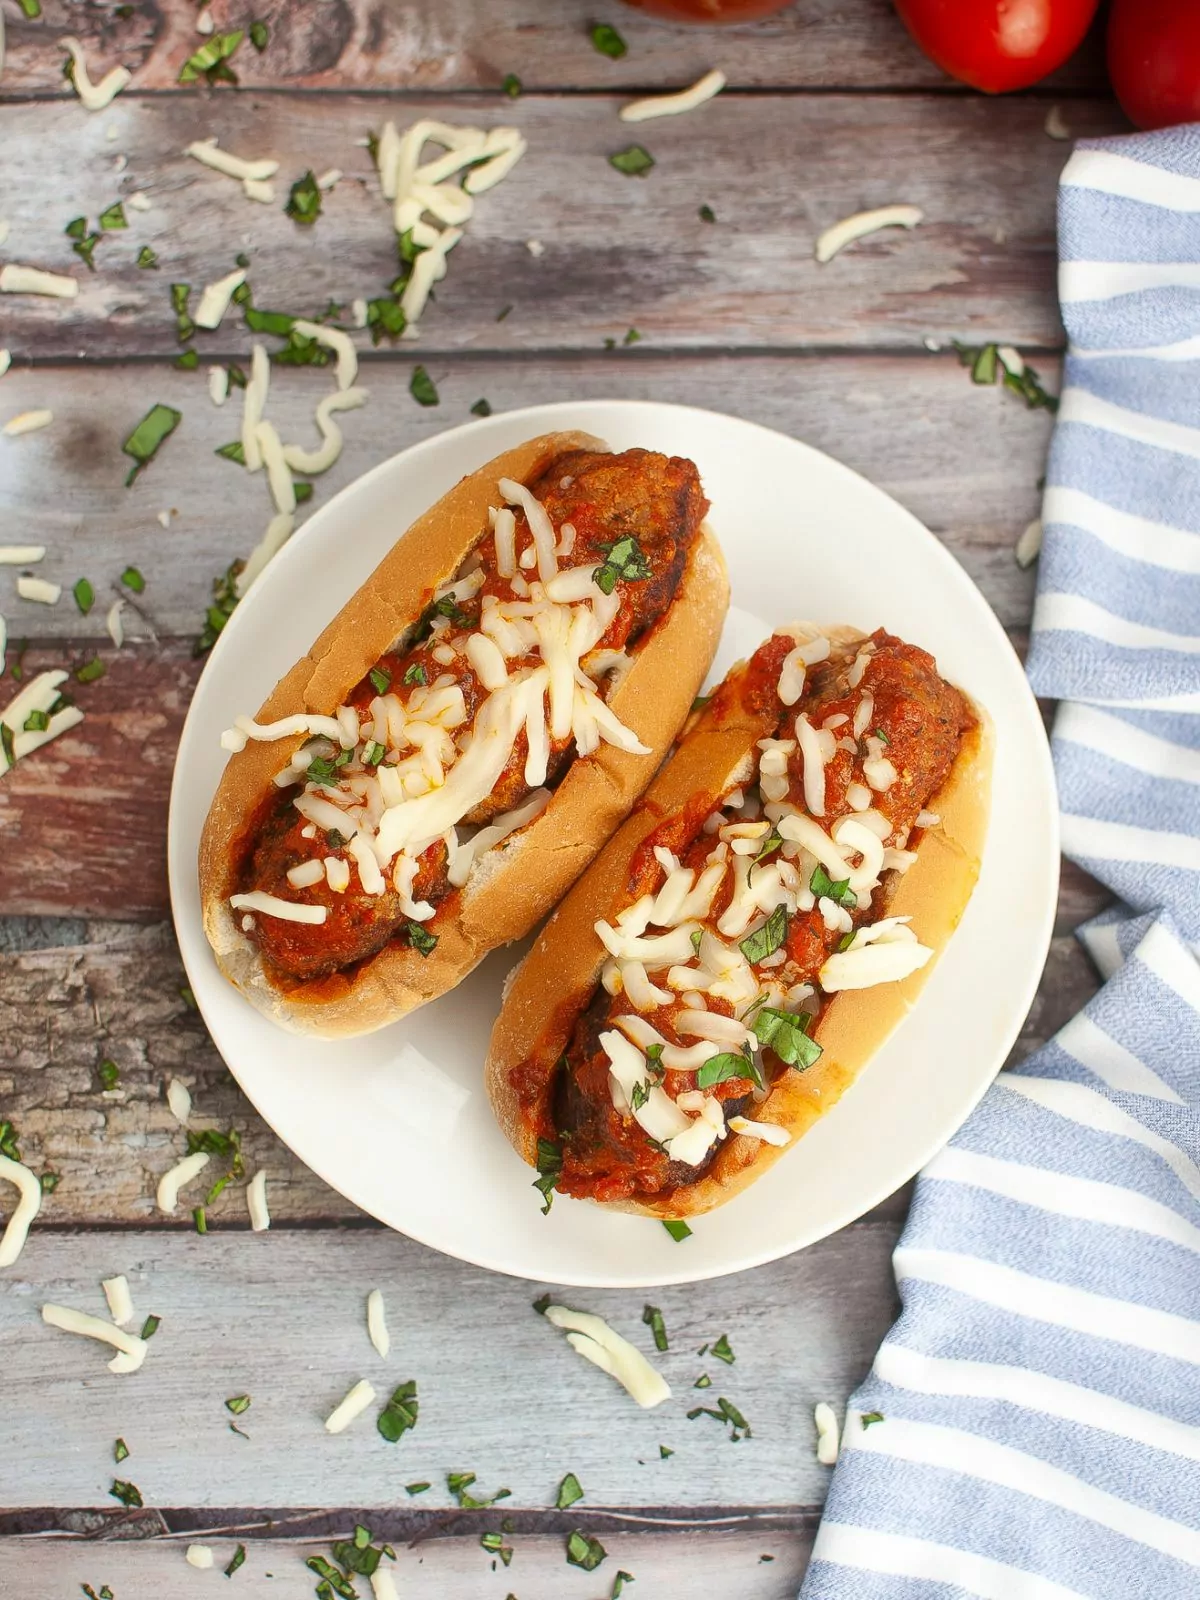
(1038,1401)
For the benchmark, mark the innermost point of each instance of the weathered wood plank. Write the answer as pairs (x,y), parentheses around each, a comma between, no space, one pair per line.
(705,1564)
(965,459)
(618,250)
(501,1393)
(63,1011)
(472,44)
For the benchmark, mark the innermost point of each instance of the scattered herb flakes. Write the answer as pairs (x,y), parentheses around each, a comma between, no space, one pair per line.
(422,941)
(114,217)
(721,1068)
(786,1033)
(85,596)
(725,1412)
(846,940)
(120,1451)
(109,1074)
(37,722)
(50,1181)
(85,250)
(188,998)
(541,1303)
(511,85)
(260,36)
(144,442)
(619,1582)
(723,1351)
(415,674)
(76,228)
(188,361)
(703,1382)
(502,313)
(679,1231)
(881,736)
(211,61)
(986,364)
(569,1491)
(385,319)
(584,1552)
(624,560)
(105,1592)
(225,599)
(237,378)
(416,1488)
(459,1484)
(634,161)
(235,450)
(766,1558)
(235,1560)
(380,680)
(665,1452)
(494,1544)
(237,1404)
(632,336)
(200,1219)
(304,200)
(549,1165)
(481,408)
(824,887)
(400,1413)
(151,1326)
(146,257)
(768,938)
(7,745)
(278,322)
(707,214)
(127,1493)
(870,1418)
(608,41)
(421,387)
(31,8)
(653,1318)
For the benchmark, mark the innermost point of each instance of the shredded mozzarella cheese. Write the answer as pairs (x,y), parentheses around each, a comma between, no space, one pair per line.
(215,300)
(256,171)
(863,223)
(670,105)
(767,1132)
(269,905)
(131,1350)
(256,1202)
(356,1402)
(39,589)
(827,1433)
(94,96)
(27,422)
(179,1101)
(377,1324)
(592,1337)
(336,340)
(29,1200)
(120,1301)
(199,1555)
(20,555)
(175,1178)
(31,280)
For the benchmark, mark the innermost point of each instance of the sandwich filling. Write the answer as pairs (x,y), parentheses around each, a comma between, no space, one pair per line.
(456,738)
(745,916)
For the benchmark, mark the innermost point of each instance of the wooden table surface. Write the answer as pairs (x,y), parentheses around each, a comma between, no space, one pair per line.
(829,109)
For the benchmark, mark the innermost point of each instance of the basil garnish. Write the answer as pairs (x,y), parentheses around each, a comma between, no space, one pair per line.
(869,1418)
(132,579)
(549,1165)
(235,1560)
(422,941)
(237,1404)
(143,443)
(786,1033)
(584,1552)
(653,1318)
(635,161)
(37,722)
(758,946)
(146,257)
(707,214)
(511,85)
(625,560)
(400,1413)
(421,387)
(416,674)
(569,1490)
(113,218)
(723,1351)
(233,451)
(127,1493)
(382,680)
(679,1231)
(481,408)
(151,1326)
(211,61)
(304,201)
(109,1074)
(719,1069)
(608,41)
(260,36)
(823,886)
(120,1451)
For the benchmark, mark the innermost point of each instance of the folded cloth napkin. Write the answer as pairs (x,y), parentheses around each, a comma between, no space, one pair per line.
(1039,1397)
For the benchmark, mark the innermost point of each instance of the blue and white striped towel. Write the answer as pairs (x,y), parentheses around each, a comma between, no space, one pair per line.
(1041,1390)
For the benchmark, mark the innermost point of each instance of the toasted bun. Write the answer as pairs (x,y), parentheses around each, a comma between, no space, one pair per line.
(514,885)
(557,979)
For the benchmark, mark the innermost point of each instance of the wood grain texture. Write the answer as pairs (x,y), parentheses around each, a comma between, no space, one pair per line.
(117,997)
(472,44)
(501,1392)
(618,250)
(716,1565)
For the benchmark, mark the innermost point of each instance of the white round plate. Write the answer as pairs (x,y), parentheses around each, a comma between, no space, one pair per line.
(398,1121)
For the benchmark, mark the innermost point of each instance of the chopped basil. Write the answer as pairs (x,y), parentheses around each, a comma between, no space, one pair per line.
(549,1165)
(623,559)
(90,670)
(720,1069)
(723,1351)
(511,85)
(76,228)
(400,1413)
(304,201)
(325,770)
(494,1544)
(235,1560)
(7,745)
(703,1382)
(143,443)
(237,378)
(188,361)
(151,1326)
(120,1451)
(105,1593)
(109,1074)
(200,1219)
(634,161)
(770,844)
(332,1581)
(619,1582)
(225,598)
(846,940)
(639,1096)
(664,1452)
(269,321)
(707,214)
(502,313)
(385,319)
(608,41)
(113,218)
(422,941)
(869,1418)
(881,736)
(541,1303)
(146,257)
(233,451)
(211,61)
(127,1493)
(481,408)
(31,8)
(260,36)
(415,674)
(679,1231)
(632,336)
(10,1148)
(768,939)
(416,1488)
(188,998)
(301,350)
(37,722)
(654,1061)
(237,1404)
(653,1318)
(50,1181)
(786,1033)
(421,387)
(986,365)
(584,1552)
(1027,384)
(823,886)
(382,680)
(85,250)
(336,840)
(697,939)
(725,1412)
(569,1490)
(304,492)
(459,1483)
(374,754)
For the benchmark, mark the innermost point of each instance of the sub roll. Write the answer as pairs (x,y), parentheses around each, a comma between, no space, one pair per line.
(464,736)
(752,933)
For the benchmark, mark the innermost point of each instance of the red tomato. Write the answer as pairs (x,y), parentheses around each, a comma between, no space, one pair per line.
(1154,60)
(998,45)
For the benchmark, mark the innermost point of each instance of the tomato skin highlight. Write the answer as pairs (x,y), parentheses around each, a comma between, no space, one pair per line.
(998,45)
(1154,60)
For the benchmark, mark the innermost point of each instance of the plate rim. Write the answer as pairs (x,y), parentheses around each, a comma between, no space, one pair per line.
(559,412)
